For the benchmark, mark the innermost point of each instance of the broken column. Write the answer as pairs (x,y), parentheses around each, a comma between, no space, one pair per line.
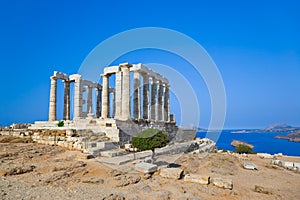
(66,100)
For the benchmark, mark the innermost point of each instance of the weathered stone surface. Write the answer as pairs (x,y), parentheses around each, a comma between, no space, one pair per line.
(222,183)
(146,167)
(172,173)
(297,165)
(249,165)
(92,180)
(264,155)
(195,178)
(261,189)
(124,180)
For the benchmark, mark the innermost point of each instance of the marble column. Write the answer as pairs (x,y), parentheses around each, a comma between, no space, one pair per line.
(90,100)
(66,100)
(78,98)
(98,105)
(125,92)
(52,103)
(137,95)
(160,101)
(167,103)
(114,103)
(118,95)
(153,99)
(146,107)
(105,96)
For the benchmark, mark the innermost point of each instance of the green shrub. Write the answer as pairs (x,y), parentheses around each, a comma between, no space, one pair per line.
(150,139)
(60,124)
(242,148)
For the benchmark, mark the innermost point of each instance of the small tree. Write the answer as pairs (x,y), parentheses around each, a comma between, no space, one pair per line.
(149,140)
(242,148)
(60,124)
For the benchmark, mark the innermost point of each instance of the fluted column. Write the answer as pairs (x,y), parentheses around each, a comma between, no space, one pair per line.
(52,103)
(105,96)
(167,103)
(90,100)
(98,106)
(160,101)
(78,98)
(66,100)
(114,103)
(153,99)
(118,95)
(125,92)
(137,95)
(146,96)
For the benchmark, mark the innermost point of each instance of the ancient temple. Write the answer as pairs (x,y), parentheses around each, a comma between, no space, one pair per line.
(136,102)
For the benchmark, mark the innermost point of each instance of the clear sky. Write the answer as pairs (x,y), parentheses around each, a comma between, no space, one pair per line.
(255,45)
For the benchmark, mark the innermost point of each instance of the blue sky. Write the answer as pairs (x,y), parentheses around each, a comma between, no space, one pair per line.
(255,45)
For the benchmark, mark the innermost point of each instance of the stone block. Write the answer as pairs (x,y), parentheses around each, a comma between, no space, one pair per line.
(222,183)
(297,165)
(288,164)
(249,165)
(265,155)
(172,173)
(145,167)
(195,178)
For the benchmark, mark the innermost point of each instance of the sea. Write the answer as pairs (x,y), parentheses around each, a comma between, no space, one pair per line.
(264,142)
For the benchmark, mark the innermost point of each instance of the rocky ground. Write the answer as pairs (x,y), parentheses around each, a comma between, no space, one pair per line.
(33,171)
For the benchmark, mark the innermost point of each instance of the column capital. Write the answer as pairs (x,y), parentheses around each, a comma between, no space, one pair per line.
(53,78)
(125,65)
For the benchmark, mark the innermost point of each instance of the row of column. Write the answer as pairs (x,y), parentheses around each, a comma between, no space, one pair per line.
(78,100)
(155,108)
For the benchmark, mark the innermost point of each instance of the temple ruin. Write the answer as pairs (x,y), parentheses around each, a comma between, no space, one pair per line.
(120,111)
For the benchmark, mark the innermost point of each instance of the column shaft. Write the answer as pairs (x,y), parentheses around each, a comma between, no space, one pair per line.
(90,100)
(78,98)
(118,97)
(98,107)
(137,96)
(167,104)
(153,99)
(125,92)
(105,96)
(52,103)
(160,102)
(66,100)
(146,96)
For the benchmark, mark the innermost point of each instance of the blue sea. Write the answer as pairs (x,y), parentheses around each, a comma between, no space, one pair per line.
(263,142)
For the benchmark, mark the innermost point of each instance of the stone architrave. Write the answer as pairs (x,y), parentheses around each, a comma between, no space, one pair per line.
(66,100)
(118,96)
(78,89)
(160,101)
(52,103)
(146,96)
(125,92)
(137,96)
(105,96)
(153,99)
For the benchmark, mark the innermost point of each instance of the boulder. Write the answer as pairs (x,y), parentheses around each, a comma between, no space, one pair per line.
(261,189)
(145,167)
(195,178)
(172,173)
(249,165)
(222,183)
(264,155)
(297,165)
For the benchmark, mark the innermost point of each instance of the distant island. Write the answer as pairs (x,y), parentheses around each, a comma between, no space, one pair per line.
(281,127)
(293,136)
